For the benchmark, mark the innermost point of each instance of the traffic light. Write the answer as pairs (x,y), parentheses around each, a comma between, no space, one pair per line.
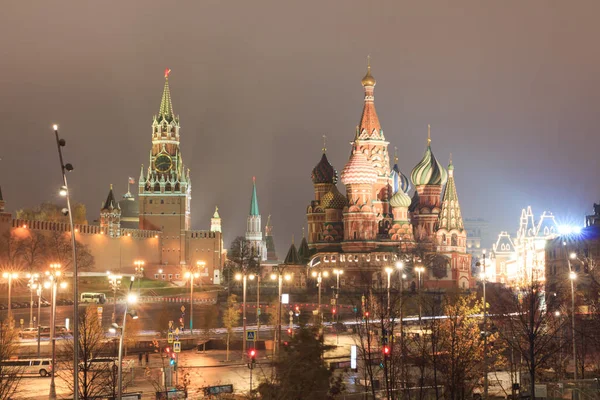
(167,350)
(333,311)
(289,331)
(252,355)
(386,351)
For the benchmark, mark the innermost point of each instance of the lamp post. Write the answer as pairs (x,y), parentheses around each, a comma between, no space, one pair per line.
(244,278)
(191,276)
(320,275)
(337,273)
(114,282)
(54,275)
(279,278)
(64,191)
(32,285)
(419,271)
(39,293)
(131,298)
(402,276)
(200,265)
(10,276)
(139,273)
(388,271)
(485,334)
(572,277)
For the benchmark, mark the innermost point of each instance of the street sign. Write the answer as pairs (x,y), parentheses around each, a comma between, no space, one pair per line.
(333,302)
(170,337)
(177,331)
(170,324)
(182,308)
(291,313)
(251,335)
(177,347)
(258,311)
(285,298)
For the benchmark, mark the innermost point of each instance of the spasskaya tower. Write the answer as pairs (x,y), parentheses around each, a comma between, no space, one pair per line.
(165,187)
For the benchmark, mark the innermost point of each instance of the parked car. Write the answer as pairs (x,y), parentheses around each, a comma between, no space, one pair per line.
(3,306)
(64,302)
(25,304)
(15,305)
(28,333)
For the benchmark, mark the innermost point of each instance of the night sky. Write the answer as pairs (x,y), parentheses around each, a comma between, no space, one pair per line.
(510,88)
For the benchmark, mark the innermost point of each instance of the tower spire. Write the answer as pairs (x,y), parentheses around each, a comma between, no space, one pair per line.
(254,201)
(369,126)
(166,107)
(395,155)
(324,144)
(428,134)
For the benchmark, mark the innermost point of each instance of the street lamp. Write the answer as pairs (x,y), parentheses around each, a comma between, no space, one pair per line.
(402,276)
(139,272)
(10,276)
(279,278)
(40,286)
(388,271)
(572,277)
(485,364)
(54,276)
(244,278)
(337,273)
(419,271)
(64,191)
(32,285)
(191,276)
(114,281)
(320,275)
(131,298)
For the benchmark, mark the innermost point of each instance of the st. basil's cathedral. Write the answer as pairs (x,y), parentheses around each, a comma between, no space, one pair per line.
(377,222)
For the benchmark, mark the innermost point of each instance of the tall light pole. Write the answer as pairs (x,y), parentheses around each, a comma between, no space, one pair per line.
(32,285)
(10,276)
(320,275)
(39,293)
(402,276)
(485,334)
(139,273)
(388,271)
(257,303)
(244,278)
(131,298)
(419,271)
(337,273)
(572,277)
(191,276)
(54,275)
(279,278)
(64,191)
(114,282)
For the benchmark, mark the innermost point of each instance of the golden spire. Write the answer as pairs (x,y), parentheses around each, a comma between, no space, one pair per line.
(428,134)
(450,161)
(395,155)
(111,186)
(324,144)
(302,232)
(368,80)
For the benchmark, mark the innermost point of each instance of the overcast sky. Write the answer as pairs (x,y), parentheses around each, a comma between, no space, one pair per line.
(510,88)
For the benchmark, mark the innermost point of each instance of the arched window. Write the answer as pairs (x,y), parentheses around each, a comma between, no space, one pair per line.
(454,239)
(157,187)
(168,187)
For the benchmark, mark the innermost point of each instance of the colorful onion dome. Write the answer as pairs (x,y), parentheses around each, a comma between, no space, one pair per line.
(429,171)
(324,172)
(334,199)
(400,199)
(358,170)
(399,180)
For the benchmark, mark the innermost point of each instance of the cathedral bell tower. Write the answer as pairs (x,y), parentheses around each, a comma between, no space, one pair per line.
(165,188)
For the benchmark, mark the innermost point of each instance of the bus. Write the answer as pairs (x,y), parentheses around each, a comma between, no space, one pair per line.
(34,366)
(98,298)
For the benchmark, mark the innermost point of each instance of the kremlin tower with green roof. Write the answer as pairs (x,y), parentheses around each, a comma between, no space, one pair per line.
(376,220)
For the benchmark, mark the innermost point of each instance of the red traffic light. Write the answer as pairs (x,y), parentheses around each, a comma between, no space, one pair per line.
(289,331)
(386,350)
(297,308)
(334,310)
(167,350)
(252,353)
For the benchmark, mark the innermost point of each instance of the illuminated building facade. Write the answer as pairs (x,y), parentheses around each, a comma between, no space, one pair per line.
(157,228)
(376,220)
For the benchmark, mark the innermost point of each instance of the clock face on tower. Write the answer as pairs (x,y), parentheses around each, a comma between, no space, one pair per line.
(163,163)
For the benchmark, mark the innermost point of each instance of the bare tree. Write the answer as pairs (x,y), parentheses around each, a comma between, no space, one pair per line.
(10,376)
(95,378)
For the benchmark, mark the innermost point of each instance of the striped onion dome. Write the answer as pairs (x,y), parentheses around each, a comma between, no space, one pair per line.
(334,199)
(400,199)
(399,180)
(324,172)
(429,171)
(358,170)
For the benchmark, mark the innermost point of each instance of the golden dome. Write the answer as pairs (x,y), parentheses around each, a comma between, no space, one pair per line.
(368,80)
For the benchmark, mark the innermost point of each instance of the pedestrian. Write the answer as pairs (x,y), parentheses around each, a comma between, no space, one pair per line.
(140,358)
(147,357)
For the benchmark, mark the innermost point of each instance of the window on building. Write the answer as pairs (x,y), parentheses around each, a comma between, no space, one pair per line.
(155,276)
(163,277)
(162,202)
(170,276)
(176,276)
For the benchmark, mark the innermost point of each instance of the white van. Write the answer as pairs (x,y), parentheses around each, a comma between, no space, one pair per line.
(36,366)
